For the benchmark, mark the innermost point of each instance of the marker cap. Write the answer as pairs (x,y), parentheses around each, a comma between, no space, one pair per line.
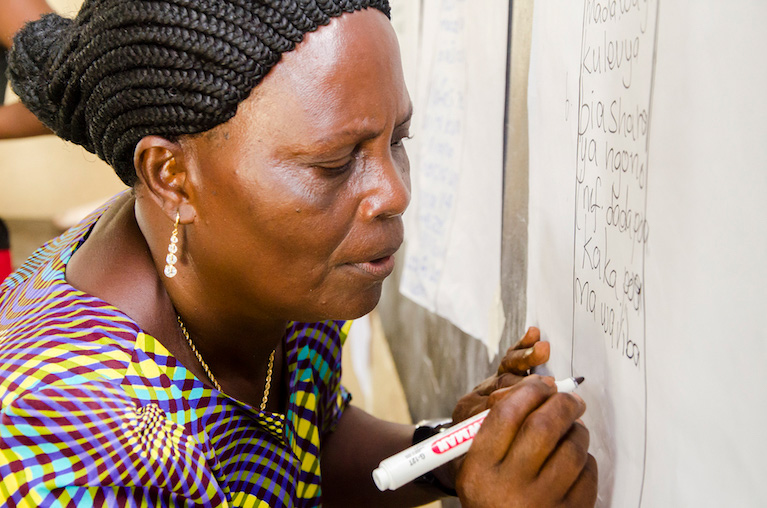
(381,478)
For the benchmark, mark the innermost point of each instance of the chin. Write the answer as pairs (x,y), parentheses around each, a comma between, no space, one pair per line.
(354,306)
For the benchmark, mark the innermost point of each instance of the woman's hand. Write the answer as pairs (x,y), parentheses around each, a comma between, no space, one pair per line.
(529,352)
(530,425)
(530,451)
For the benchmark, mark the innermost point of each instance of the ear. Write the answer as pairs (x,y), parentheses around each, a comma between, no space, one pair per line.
(161,168)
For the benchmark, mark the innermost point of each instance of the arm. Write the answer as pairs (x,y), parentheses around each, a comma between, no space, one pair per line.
(349,455)
(14,13)
(16,121)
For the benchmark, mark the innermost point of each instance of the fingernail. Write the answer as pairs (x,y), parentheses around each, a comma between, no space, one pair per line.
(529,352)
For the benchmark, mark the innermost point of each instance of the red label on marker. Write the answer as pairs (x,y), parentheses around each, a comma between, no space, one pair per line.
(456,437)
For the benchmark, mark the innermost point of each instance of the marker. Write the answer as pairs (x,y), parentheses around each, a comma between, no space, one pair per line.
(419,459)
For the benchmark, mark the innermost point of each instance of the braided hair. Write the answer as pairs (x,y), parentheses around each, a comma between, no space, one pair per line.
(125,69)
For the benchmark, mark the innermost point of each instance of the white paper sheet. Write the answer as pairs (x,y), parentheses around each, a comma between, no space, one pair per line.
(663,316)
(452,264)
(406,20)
(599,113)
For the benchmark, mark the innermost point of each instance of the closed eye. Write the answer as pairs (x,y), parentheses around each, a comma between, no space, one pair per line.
(336,169)
(338,166)
(400,141)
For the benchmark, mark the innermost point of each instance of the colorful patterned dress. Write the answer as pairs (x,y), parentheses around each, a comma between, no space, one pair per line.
(93,411)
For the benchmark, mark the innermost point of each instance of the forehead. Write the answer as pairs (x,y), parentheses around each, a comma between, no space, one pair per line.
(346,73)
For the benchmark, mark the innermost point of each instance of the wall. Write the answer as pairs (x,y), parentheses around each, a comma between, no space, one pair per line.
(437,361)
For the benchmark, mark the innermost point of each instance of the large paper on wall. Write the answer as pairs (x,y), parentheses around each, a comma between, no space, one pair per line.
(453,257)
(647,245)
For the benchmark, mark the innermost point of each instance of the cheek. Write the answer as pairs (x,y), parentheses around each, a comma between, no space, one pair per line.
(292,218)
(299,222)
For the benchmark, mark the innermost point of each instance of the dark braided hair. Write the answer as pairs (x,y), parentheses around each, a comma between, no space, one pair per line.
(125,69)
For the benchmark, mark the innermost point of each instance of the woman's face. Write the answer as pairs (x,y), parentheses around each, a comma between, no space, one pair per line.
(299,197)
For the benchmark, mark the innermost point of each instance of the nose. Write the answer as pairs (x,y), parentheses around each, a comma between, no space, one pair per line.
(387,190)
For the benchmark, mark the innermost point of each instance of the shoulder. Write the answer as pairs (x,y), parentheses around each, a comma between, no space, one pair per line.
(324,337)
(314,360)
(54,334)
(61,337)
(317,346)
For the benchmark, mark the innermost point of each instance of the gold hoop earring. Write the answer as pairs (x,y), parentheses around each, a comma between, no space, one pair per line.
(171,259)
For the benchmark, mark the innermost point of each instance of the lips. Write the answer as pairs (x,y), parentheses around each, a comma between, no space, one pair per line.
(378,268)
(380,263)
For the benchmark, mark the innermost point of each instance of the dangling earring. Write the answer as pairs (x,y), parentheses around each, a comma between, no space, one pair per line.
(171,259)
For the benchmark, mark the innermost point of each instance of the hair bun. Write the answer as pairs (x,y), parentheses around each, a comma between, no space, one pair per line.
(34,49)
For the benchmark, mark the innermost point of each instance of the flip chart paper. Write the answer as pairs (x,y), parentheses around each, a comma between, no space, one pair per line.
(452,264)
(646,239)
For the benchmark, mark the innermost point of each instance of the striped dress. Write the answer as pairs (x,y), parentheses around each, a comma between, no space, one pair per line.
(93,411)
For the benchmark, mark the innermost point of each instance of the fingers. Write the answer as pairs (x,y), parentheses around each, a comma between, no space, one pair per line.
(506,380)
(525,354)
(545,427)
(497,382)
(476,401)
(584,491)
(564,466)
(532,449)
(532,335)
(511,407)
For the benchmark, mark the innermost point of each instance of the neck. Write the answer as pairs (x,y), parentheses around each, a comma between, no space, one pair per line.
(120,263)
(235,344)
(242,378)
(233,348)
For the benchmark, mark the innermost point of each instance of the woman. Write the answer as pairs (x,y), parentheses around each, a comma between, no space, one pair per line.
(182,345)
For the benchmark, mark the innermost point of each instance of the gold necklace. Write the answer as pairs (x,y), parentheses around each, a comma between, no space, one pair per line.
(208,373)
